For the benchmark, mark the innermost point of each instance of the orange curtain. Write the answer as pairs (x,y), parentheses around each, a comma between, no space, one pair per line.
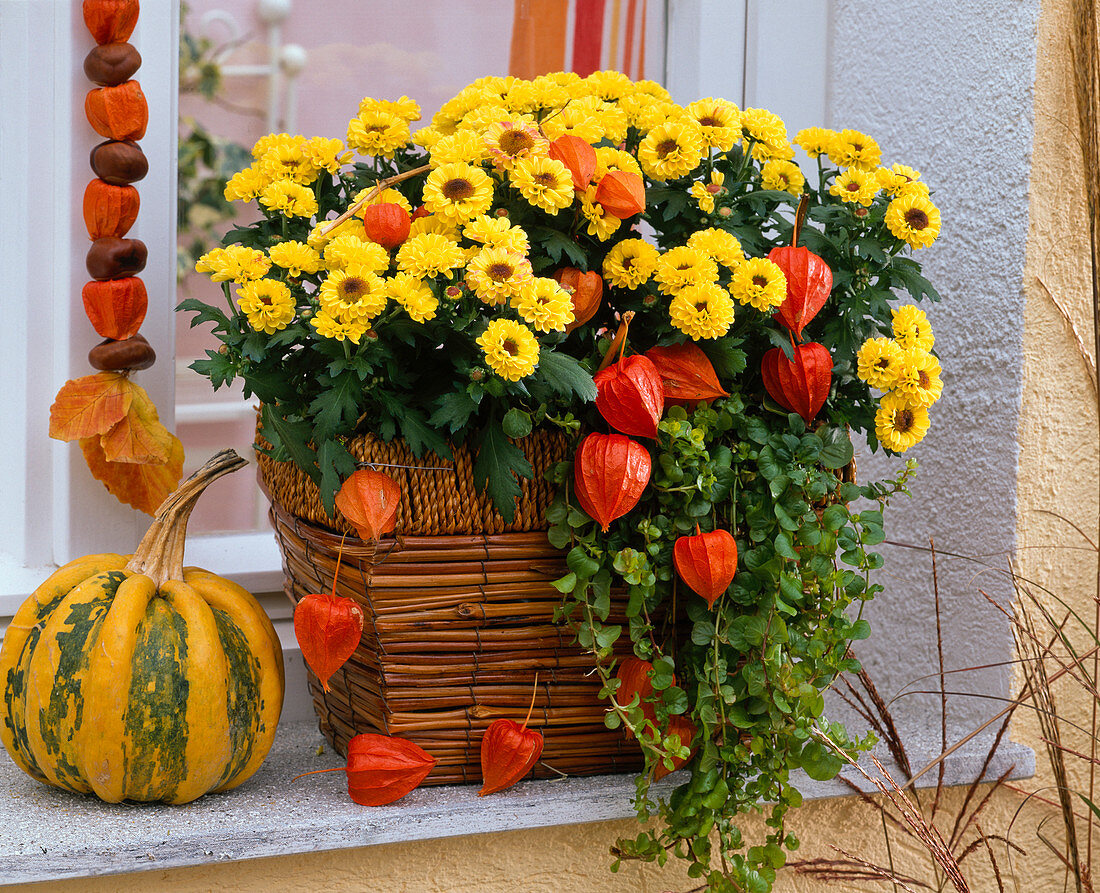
(538,37)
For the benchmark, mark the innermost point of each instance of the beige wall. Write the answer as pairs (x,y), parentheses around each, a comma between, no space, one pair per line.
(1058,462)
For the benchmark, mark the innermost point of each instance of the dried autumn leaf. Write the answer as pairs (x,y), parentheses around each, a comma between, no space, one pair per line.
(142,486)
(89,406)
(139,437)
(369,500)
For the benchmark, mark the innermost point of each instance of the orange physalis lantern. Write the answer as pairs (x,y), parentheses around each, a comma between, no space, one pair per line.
(369,500)
(109,210)
(687,376)
(609,475)
(809,281)
(621,193)
(578,156)
(634,679)
(508,751)
(800,385)
(382,769)
(630,396)
(387,223)
(116,307)
(118,113)
(111,21)
(707,562)
(585,291)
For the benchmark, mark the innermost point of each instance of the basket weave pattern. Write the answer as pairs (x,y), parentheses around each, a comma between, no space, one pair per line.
(459,617)
(456,629)
(439,495)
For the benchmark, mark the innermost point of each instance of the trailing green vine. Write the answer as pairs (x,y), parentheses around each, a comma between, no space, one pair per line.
(753,670)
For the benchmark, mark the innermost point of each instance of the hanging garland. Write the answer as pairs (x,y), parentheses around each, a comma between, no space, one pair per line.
(126,447)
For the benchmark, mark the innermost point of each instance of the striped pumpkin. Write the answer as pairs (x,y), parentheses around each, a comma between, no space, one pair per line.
(133,678)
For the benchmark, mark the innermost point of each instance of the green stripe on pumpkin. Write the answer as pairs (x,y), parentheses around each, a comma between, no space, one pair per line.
(243,693)
(62,717)
(156,716)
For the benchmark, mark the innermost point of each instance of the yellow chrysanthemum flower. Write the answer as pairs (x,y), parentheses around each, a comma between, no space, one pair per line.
(680,267)
(912,330)
(609,85)
(414,295)
(705,198)
(496,274)
(898,424)
(353,293)
(388,196)
(377,132)
(764,152)
(702,311)
(289,162)
(815,141)
(510,348)
(436,224)
(428,255)
(913,219)
(651,88)
(878,363)
(644,112)
(583,117)
(245,185)
(349,250)
(327,154)
(234,263)
(896,179)
(426,136)
(332,325)
(267,304)
(466,146)
(919,379)
(458,191)
(719,120)
(672,149)
(544,182)
(764,127)
(630,263)
(543,304)
(274,140)
(600,224)
(521,97)
(507,141)
(403,107)
(295,257)
(353,226)
(546,93)
(608,159)
(855,185)
(783,175)
(289,198)
(759,283)
(497,232)
(850,148)
(717,244)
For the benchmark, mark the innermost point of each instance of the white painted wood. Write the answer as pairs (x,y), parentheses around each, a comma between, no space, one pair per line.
(786,60)
(705,49)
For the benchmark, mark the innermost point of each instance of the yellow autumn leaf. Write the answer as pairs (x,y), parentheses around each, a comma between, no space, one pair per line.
(90,405)
(139,437)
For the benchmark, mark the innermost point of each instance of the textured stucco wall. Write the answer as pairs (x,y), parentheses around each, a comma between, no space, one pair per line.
(990,338)
(946,87)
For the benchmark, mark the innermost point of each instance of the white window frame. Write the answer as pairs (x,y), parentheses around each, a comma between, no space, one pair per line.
(54,511)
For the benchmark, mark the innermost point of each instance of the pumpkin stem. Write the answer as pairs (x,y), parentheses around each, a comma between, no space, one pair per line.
(159,555)
(800,218)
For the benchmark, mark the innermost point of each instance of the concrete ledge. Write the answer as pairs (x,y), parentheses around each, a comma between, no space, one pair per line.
(49,834)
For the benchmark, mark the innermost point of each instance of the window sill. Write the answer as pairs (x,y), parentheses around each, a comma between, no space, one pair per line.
(54,835)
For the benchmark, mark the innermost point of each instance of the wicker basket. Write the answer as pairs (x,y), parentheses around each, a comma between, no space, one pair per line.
(457,625)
